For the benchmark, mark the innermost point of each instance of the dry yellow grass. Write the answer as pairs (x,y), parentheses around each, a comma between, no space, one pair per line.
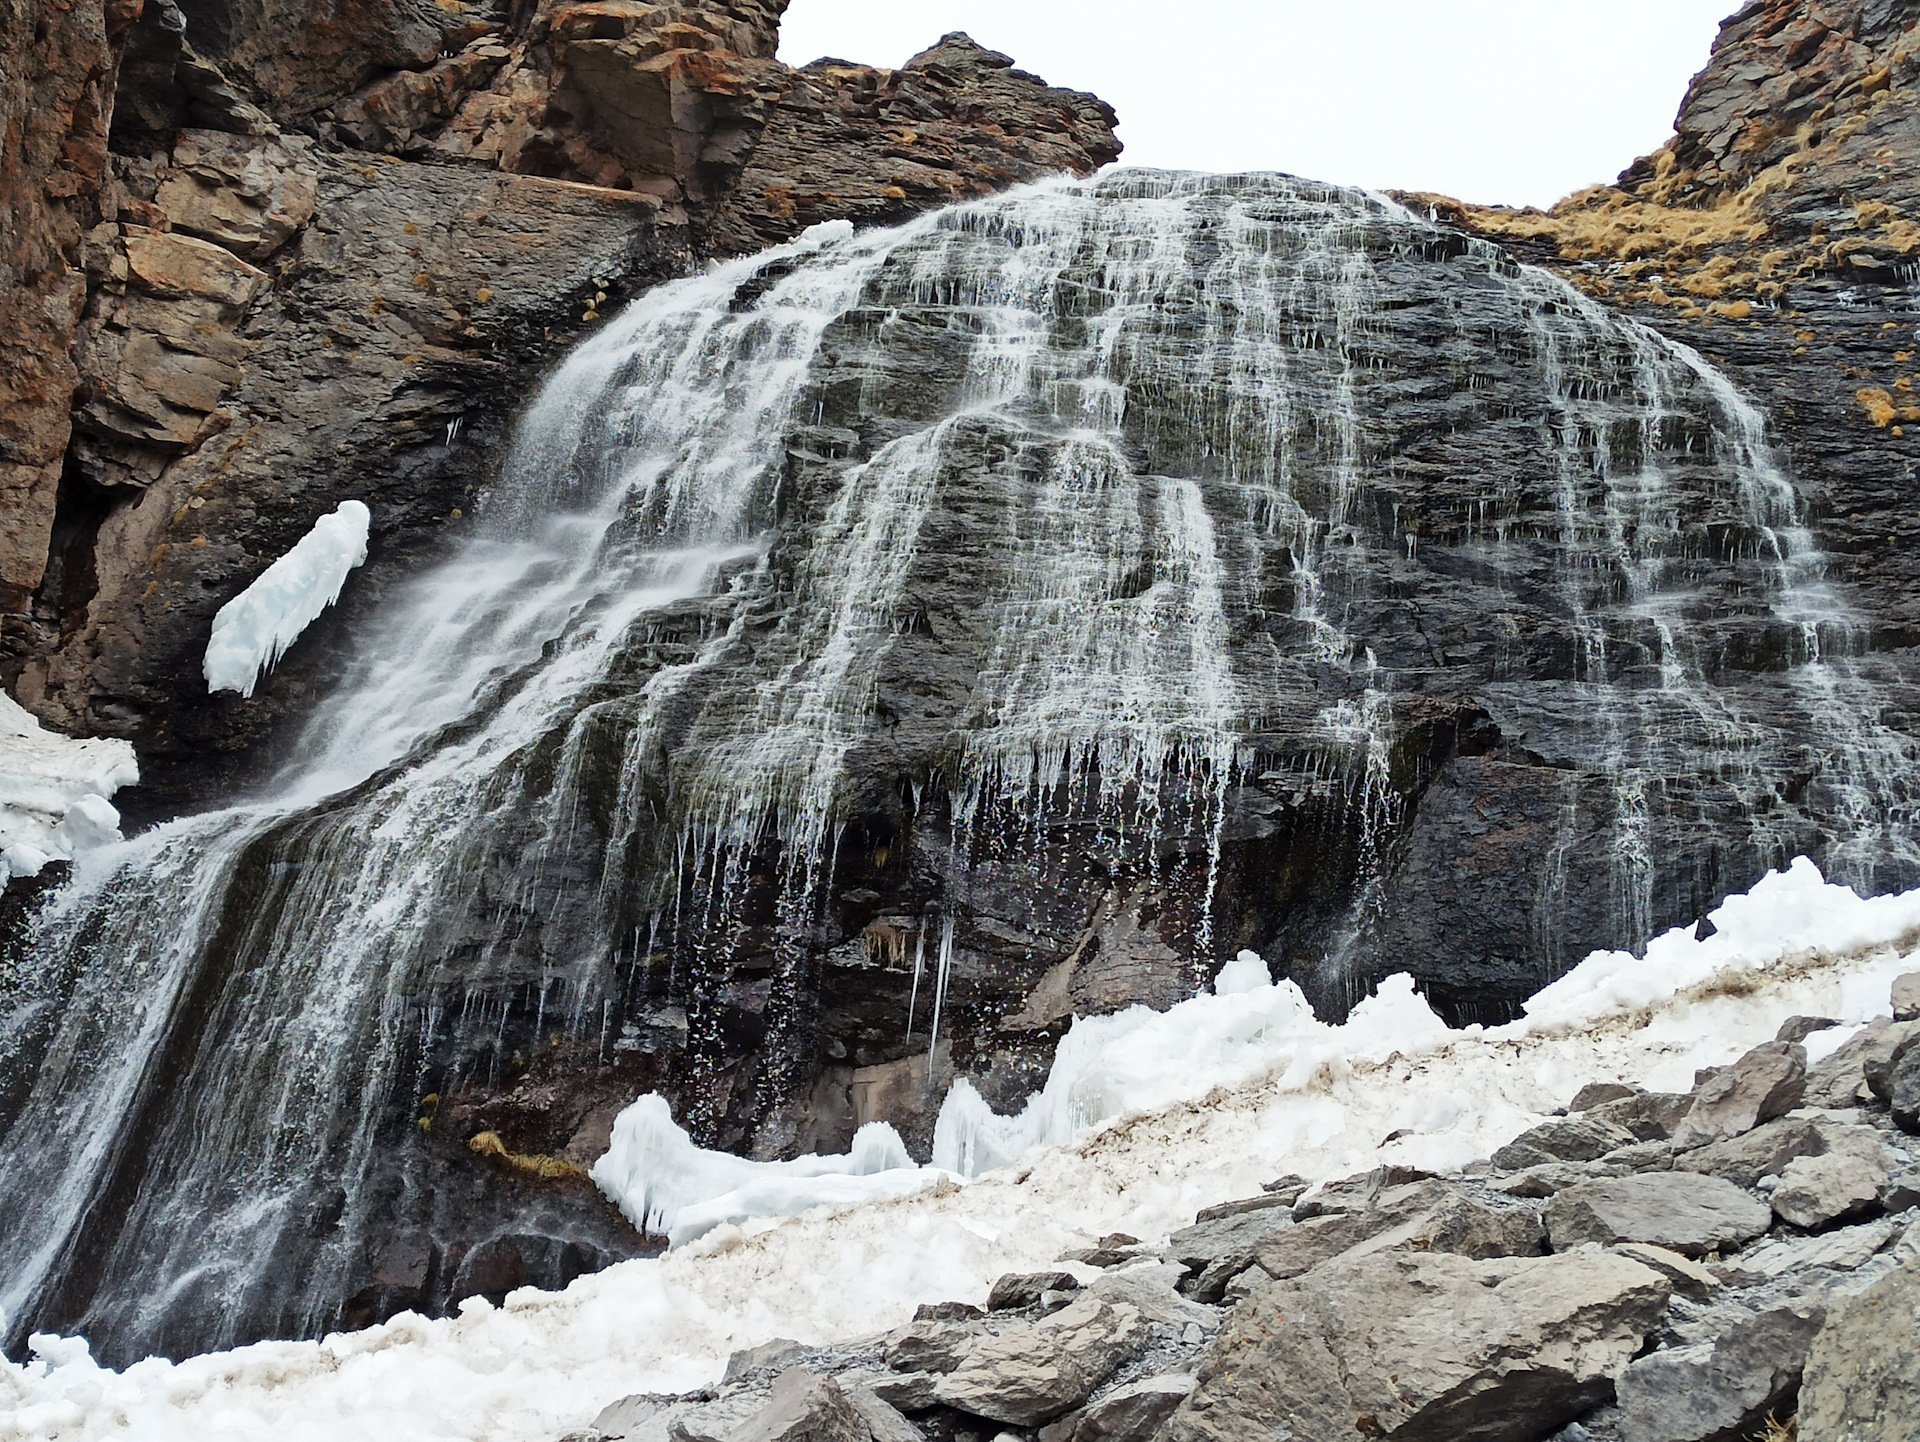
(489,1145)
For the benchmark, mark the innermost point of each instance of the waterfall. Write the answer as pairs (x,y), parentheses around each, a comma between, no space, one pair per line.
(1051,526)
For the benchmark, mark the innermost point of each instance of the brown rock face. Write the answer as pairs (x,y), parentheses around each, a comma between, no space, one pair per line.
(56,101)
(213,329)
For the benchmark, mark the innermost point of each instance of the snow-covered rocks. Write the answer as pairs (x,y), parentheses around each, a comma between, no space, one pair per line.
(253,630)
(53,792)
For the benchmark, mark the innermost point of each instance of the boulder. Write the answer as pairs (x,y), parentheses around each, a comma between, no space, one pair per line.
(1031,1374)
(1837,1186)
(1863,1373)
(1689,1278)
(1583,1137)
(1762,1152)
(1899,1085)
(1355,1193)
(906,1391)
(1902,1190)
(884,1421)
(1906,997)
(928,1346)
(1723,1390)
(1842,1250)
(805,1408)
(1650,1116)
(1544,1181)
(1024,1289)
(1133,1413)
(1218,1250)
(1425,1216)
(1265,1202)
(749,1360)
(1682,1211)
(1595,1094)
(1413,1345)
(1767,1082)
(1799,1028)
(1840,1080)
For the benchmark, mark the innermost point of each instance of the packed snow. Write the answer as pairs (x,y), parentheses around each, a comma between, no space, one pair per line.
(54,792)
(1218,1106)
(253,630)
(664,1183)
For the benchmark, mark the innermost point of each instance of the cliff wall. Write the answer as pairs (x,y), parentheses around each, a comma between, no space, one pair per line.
(262,256)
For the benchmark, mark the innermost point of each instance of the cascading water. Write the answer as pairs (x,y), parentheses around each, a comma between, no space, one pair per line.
(1106,545)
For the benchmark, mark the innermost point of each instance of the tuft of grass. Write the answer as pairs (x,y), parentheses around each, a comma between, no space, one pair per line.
(553,1169)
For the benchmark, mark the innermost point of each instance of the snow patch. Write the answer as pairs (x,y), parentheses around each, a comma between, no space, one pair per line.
(253,630)
(664,1183)
(53,792)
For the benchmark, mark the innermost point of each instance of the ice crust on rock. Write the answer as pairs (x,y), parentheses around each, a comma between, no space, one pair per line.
(53,792)
(1318,1105)
(253,630)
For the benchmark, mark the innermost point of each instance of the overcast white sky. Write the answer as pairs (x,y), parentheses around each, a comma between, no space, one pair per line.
(1510,101)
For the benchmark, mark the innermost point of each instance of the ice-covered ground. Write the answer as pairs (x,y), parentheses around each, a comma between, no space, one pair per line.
(1231,1106)
(53,792)
(254,629)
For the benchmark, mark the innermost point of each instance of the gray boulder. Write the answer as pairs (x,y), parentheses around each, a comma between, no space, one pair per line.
(1650,1116)
(1799,1028)
(1837,1186)
(805,1408)
(1284,1197)
(1763,1152)
(1767,1082)
(1025,1289)
(1425,1216)
(749,1360)
(883,1420)
(1357,1193)
(1133,1413)
(1723,1390)
(1906,997)
(1033,1373)
(1902,1190)
(1840,1080)
(1681,1211)
(1595,1094)
(928,1346)
(1428,1346)
(1689,1278)
(1901,1088)
(1218,1250)
(1583,1137)
(1841,1250)
(1863,1374)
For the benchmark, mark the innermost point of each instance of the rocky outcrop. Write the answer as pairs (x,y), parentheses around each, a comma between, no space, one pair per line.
(1603,1339)
(418,205)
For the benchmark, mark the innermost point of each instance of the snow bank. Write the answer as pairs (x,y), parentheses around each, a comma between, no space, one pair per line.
(663,1182)
(1325,1105)
(255,628)
(53,792)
